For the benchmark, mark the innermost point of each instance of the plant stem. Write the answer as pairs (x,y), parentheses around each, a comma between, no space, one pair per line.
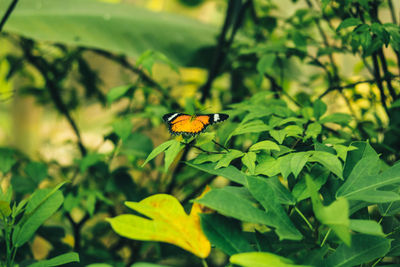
(304,218)
(7,14)
(326,237)
(203,261)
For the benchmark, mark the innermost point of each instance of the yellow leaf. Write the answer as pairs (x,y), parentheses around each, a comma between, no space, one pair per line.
(168,222)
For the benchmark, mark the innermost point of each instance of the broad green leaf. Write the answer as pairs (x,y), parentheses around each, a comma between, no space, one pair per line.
(342,150)
(364,149)
(264,194)
(23,184)
(42,204)
(117,93)
(58,260)
(363,249)
(89,160)
(228,157)
(137,144)
(229,204)
(264,145)
(7,160)
(202,158)
(255,126)
(285,163)
(171,153)
(282,193)
(265,63)
(298,161)
(261,259)
(313,130)
(278,135)
(249,160)
(226,234)
(5,209)
(338,118)
(122,128)
(336,215)
(319,108)
(268,166)
(120,28)
(230,172)
(293,130)
(331,162)
(348,23)
(320,176)
(369,227)
(364,180)
(159,149)
(166,221)
(36,170)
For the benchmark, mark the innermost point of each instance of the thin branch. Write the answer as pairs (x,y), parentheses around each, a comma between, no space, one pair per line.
(378,79)
(387,74)
(7,14)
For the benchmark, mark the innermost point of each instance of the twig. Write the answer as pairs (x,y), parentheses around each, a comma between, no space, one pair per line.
(7,14)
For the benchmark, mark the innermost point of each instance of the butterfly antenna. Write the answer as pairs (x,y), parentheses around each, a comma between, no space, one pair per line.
(218,144)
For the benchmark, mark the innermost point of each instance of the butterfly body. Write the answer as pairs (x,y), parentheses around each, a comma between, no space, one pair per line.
(179,123)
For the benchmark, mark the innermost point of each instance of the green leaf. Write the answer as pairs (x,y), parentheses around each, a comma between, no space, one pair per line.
(171,153)
(264,194)
(120,28)
(264,145)
(261,259)
(313,130)
(137,144)
(331,162)
(23,184)
(298,161)
(320,176)
(348,23)
(268,166)
(229,204)
(255,126)
(5,209)
(159,149)
(278,135)
(122,128)
(336,215)
(36,170)
(293,130)
(57,261)
(342,150)
(117,93)
(364,149)
(319,108)
(364,248)
(338,118)
(282,193)
(249,160)
(226,234)
(364,180)
(42,204)
(228,157)
(202,158)
(265,63)
(366,227)
(90,160)
(285,163)
(91,202)
(7,160)
(230,172)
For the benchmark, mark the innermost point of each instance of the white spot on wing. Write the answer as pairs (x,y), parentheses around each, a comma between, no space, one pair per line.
(216,117)
(170,118)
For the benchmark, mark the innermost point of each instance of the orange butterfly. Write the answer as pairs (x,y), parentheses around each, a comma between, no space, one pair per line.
(179,123)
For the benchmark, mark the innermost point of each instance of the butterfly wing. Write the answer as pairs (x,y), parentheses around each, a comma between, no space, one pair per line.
(179,123)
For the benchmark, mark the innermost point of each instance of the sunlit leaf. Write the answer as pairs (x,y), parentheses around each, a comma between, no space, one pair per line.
(166,222)
(261,259)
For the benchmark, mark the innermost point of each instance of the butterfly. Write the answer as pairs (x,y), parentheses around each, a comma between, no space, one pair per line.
(179,123)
